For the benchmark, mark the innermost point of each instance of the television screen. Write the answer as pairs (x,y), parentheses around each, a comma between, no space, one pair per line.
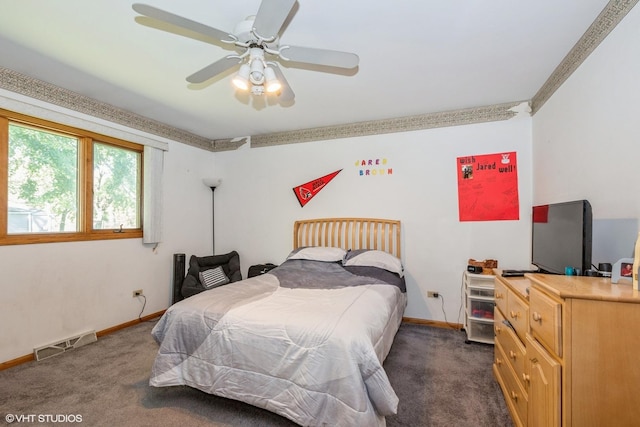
(561,236)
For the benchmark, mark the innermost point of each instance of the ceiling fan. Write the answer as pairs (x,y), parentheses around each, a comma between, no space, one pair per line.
(256,39)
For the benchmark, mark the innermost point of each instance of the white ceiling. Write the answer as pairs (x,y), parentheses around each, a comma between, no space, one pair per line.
(416,57)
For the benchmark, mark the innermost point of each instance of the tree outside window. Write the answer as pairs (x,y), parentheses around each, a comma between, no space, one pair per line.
(43,181)
(66,184)
(116,187)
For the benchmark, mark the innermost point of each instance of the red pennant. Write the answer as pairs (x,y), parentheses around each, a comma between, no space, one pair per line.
(307,191)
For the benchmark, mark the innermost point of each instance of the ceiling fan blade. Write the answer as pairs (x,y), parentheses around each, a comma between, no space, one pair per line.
(212,70)
(271,16)
(286,93)
(170,18)
(309,55)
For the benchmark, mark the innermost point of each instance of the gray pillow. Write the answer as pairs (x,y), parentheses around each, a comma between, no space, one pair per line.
(373,258)
(318,253)
(213,277)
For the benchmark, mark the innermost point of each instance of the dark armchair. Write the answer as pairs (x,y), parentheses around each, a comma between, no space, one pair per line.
(229,263)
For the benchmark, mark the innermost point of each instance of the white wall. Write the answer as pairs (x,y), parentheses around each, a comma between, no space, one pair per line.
(586,138)
(56,290)
(256,206)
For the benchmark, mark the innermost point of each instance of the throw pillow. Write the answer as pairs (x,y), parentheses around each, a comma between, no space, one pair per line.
(213,277)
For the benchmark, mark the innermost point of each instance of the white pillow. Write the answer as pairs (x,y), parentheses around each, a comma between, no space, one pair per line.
(318,253)
(374,258)
(213,277)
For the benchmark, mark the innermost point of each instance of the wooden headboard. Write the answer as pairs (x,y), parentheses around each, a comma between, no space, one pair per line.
(349,233)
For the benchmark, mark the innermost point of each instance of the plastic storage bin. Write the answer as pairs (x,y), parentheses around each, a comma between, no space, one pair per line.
(480,331)
(480,309)
(479,304)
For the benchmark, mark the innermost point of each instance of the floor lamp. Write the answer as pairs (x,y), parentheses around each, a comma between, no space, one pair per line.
(212,183)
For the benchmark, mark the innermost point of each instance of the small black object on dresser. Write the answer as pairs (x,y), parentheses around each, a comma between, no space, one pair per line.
(258,269)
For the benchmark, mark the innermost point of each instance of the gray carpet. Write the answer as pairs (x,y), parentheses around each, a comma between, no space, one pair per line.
(440,380)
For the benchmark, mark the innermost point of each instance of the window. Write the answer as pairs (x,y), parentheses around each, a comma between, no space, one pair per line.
(59,183)
(116,187)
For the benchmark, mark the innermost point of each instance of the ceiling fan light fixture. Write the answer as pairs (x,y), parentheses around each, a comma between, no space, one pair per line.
(257,90)
(256,35)
(241,80)
(272,84)
(257,72)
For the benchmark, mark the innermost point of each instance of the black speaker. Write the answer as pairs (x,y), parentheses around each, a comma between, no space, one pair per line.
(178,276)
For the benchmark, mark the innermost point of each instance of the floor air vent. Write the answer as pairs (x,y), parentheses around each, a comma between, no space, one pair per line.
(60,347)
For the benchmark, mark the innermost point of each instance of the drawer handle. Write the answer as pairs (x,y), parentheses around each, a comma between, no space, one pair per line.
(498,295)
(536,317)
(497,329)
(514,395)
(514,315)
(512,354)
(525,377)
(498,361)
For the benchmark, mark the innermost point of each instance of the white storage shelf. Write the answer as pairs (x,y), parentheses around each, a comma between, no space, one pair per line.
(479,304)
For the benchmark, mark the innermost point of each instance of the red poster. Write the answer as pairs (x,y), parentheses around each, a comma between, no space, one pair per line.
(307,191)
(488,187)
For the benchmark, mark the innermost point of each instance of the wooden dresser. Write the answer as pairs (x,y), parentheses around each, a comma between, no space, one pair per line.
(567,350)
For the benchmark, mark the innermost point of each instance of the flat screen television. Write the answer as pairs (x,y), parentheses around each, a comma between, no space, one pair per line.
(561,237)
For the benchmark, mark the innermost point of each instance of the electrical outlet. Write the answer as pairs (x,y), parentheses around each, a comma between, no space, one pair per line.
(137,293)
(433,294)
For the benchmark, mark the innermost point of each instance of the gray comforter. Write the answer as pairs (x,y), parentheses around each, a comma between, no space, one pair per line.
(306,341)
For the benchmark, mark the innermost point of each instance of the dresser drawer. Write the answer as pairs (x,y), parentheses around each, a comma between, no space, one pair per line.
(514,393)
(514,308)
(518,315)
(499,328)
(500,295)
(546,320)
(514,352)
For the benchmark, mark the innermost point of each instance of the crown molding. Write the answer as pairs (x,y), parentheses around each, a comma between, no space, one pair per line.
(47,92)
(608,19)
(490,113)
(52,94)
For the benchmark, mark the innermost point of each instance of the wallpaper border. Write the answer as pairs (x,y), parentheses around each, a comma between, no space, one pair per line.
(608,19)
(47,92)
(490,113)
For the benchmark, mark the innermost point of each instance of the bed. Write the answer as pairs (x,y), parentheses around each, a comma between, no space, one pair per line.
(306,340)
